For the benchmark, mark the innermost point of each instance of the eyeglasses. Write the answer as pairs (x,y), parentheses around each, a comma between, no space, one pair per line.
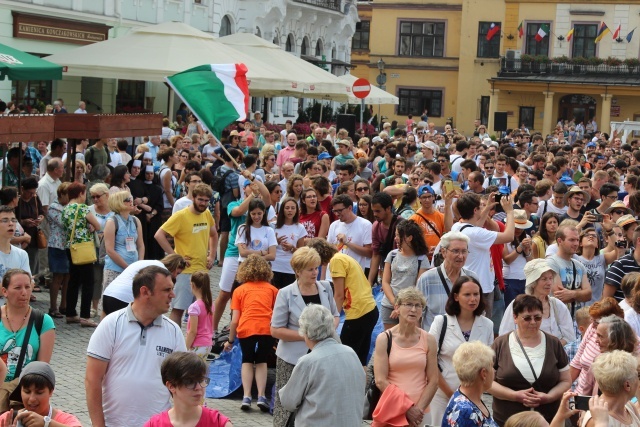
(457,252)
(618,212)
(442,161)
(412,306)
(590,236)
(362,188)
(311,196)
(127,200)
(204,383)
(8,220)
(489,168)
(338,211)
(536,319)
(613,196)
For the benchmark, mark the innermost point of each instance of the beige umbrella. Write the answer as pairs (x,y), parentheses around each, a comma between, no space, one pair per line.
(154,52)
(318,83)
(376,97)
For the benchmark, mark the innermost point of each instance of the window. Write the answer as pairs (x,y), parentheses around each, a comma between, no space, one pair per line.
(130,97)
(584,44)
(31,93)
(415,101)
(422,39)
(526,116)
(225,26)
(319,48)
(304,47)
(361,36)
(484,109)
(532,46)
(290,44)
(488,48)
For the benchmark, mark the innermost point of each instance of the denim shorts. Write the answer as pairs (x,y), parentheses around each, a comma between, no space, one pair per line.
(58,261)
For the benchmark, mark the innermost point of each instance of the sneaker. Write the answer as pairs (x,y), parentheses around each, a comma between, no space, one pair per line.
(246,403)
(263,403)
(211,357)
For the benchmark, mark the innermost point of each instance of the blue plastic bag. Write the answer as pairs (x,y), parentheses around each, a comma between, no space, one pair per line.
(378,329)
(225,373)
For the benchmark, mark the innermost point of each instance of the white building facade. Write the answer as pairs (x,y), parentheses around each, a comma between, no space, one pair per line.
(319,31)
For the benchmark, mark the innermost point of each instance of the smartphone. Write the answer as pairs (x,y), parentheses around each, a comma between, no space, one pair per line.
(498,197)
(582,402)
(598,217)
(447,185)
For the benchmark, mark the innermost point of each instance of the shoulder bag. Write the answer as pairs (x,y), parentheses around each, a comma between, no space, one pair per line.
(41,238)
(373,393)
(443,331)
(81,253)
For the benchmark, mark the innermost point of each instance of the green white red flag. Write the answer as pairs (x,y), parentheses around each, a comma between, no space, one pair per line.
(217,94)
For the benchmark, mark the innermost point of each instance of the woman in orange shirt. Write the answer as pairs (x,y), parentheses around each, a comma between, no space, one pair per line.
(252,305)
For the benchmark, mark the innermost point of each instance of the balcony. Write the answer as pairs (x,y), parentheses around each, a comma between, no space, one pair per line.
(325,4)
(539,65)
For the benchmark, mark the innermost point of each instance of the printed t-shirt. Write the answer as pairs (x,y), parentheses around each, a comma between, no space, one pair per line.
(11,345)
(191,235)
(357,232)
(262,238)
(255,300)
(312,222)
(358,299)
(293,232)
(16,258)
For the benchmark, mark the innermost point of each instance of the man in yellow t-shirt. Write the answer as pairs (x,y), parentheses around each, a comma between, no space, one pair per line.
(196,239)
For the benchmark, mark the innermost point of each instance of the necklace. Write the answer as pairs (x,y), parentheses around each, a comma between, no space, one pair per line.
(6,314)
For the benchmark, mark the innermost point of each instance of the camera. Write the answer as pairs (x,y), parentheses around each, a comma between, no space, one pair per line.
(621,244)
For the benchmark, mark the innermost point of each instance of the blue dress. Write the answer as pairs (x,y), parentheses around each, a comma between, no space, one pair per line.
(461,412)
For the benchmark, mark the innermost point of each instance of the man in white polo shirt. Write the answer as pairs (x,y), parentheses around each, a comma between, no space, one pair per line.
(123,382)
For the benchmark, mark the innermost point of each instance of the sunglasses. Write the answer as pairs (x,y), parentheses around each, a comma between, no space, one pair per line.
(619,212)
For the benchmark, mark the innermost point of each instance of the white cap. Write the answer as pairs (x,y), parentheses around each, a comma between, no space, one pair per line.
(147,155)
(149,169)
(137,163)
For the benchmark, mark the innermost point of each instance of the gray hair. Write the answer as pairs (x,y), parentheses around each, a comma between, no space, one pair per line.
(620,334)
(316,323)
(447,238)
(100,172)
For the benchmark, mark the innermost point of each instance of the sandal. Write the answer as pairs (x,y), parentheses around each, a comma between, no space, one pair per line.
(88,323)
(71,320)
(56,314)
(36,289)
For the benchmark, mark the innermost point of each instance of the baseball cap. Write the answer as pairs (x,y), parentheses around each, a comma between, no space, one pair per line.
(246,182)
(591,144)
(324,155)
(425,189)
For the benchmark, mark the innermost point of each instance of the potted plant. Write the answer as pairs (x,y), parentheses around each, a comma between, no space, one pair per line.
(632,64)
(558,63)
(612,61)
(540,63)
(578,64)
(525,62)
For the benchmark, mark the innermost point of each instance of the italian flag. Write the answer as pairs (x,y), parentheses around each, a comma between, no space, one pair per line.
(542,32)
(217,94)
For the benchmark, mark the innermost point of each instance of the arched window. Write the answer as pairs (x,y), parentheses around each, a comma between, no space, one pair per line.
(305,46)
(225,26)
(290,46)
(258,32)
(319,48)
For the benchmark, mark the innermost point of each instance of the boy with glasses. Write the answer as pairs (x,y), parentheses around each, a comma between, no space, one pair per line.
(192,179)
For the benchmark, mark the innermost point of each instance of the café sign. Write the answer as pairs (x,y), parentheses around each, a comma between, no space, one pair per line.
(36,27)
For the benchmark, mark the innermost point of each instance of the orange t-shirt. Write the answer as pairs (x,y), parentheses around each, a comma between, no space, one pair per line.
(437,220)
(255,301)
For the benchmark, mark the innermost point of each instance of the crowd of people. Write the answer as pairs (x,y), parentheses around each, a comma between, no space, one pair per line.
(506,266)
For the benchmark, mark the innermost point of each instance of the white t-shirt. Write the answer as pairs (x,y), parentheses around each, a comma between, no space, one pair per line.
(121,287)
(16,258)
(293,232)
(479,257)
(181,203)
(132,389)
(500,181)
(262,238)
(550,208)
(357,232)
(115,159)
(456,160)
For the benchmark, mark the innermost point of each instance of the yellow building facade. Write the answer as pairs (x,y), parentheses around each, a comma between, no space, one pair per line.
(437,57)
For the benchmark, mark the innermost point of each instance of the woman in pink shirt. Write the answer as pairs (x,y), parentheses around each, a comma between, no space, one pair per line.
(185,375)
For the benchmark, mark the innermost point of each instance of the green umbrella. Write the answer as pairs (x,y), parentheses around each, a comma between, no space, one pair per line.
(19,65)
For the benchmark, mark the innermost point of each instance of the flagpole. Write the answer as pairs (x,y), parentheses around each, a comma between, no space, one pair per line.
(225,150)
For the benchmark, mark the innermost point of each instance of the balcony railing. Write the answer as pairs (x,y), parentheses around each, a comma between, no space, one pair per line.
(325,4)
(518,67)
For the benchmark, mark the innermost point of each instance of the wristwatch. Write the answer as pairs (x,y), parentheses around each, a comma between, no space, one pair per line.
(47,420)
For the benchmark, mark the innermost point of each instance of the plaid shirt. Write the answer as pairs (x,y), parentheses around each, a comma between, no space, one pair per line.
(431,287)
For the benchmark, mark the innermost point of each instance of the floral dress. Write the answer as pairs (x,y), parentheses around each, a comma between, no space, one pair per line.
(57,235)
(462,412)
(82,233)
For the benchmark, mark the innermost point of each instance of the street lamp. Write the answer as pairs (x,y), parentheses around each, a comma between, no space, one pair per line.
(381,80)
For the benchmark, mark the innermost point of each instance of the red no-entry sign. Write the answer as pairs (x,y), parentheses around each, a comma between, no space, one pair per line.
(361,88)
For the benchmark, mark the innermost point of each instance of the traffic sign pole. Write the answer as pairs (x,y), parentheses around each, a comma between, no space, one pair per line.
(361,112)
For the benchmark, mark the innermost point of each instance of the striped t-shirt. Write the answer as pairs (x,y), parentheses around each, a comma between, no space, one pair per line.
(621,267)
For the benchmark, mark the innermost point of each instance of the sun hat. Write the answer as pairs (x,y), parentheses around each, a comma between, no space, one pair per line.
(520,219)
(573,191)
(625,220)
(344,142)
(534,269)
(619,205)
(432,146)
(34,368)
(234,133)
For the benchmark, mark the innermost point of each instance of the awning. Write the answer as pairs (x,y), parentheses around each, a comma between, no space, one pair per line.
(19,65)
(376,97)
(315,60)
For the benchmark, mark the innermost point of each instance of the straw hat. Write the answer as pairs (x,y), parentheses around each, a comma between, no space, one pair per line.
(619,205)
(626,220)
(520,219)
(574,190)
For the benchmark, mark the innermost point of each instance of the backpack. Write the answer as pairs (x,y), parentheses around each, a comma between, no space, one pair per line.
(217,184)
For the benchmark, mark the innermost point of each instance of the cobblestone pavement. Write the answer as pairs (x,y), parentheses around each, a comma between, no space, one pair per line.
(69,363)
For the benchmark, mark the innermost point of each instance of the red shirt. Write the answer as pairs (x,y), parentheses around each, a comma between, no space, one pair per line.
(496,258)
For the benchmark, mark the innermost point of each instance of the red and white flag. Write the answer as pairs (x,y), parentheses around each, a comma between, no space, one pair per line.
(616,33)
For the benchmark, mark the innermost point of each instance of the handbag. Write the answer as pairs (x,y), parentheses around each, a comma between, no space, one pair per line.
(373,393)
(81,253)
